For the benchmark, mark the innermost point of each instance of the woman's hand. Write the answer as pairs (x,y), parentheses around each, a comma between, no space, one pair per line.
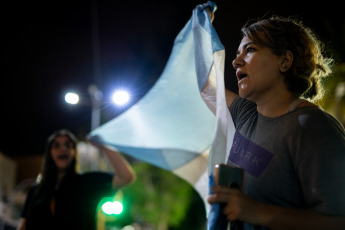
(239,206)
(210,14)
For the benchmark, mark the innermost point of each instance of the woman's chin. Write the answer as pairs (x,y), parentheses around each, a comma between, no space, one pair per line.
(63,165)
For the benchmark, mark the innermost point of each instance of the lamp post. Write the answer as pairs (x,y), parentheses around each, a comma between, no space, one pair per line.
(96,97)
(89,155)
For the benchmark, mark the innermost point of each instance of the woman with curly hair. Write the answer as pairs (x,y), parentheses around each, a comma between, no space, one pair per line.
(292,152)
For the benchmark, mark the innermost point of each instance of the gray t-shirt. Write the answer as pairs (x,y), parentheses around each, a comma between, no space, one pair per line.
(295,160)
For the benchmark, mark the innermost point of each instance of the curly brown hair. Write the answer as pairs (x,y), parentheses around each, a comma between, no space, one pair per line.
(309,66)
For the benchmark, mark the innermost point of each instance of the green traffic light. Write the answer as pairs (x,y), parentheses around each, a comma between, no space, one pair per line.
(114,207)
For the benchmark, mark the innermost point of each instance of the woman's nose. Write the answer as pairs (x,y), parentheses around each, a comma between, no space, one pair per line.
(237,62)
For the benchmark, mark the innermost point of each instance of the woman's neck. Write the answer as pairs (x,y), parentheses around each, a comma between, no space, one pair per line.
(275,106)
(60,176)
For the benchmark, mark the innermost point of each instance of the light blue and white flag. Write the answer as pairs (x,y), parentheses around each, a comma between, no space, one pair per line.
(182,124)
(210,58)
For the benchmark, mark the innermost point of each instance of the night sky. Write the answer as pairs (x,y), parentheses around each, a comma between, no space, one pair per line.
(47,50)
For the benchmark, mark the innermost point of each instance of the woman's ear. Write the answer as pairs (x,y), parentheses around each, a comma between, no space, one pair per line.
(286,61)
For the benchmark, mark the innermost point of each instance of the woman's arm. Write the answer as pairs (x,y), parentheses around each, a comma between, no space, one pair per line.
(124,173)
(241,207)
(287,218)
(229,97)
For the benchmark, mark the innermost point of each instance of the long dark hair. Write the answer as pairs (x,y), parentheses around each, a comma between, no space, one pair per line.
(309,66)
(49,170)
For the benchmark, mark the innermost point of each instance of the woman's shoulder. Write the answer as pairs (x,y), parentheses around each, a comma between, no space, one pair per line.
(95,176)
(310,115)
(96,182)
(314,111)
(33,187)
(242,105)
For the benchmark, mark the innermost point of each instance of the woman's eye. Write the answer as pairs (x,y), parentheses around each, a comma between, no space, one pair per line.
(249,49)
(67,144)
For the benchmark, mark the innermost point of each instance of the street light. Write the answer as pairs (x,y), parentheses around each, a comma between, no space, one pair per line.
(119,98)
(72,98)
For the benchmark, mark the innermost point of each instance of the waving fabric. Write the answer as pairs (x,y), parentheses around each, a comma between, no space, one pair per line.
(182,124)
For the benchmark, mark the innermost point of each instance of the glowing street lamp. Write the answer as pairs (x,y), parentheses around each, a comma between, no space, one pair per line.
(72,98)
(119,98)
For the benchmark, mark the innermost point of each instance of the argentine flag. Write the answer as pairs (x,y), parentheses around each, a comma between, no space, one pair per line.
(182,124)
